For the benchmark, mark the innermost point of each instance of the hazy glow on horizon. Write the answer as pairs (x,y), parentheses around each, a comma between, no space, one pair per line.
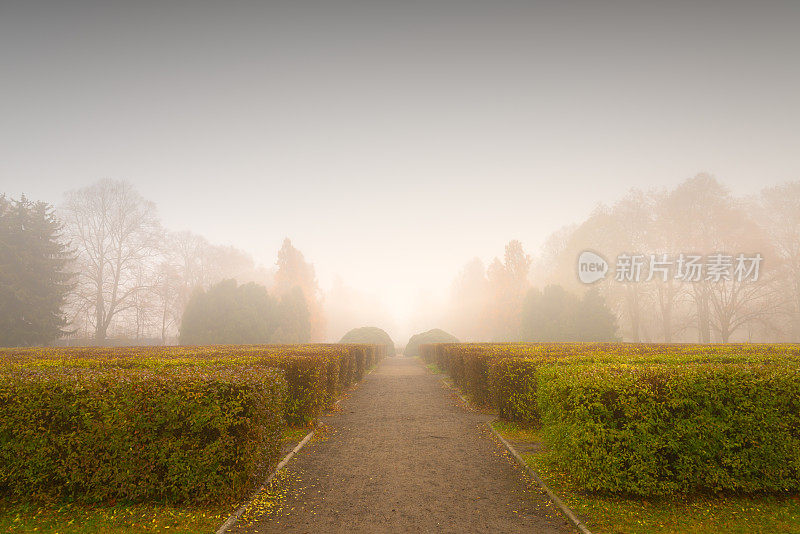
(392,142)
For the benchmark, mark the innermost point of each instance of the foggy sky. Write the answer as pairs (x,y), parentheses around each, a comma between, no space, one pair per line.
(394,141)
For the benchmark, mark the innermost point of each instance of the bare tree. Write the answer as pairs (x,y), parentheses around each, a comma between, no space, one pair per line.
(632,223)
(697,212)
(115,232)
(625,229)
(169,291)
(699,217)
(735,304)
(780,214)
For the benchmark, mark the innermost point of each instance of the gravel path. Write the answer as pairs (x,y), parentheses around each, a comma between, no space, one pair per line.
(404,455)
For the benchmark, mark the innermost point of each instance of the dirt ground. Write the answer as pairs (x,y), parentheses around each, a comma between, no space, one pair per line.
(404,455)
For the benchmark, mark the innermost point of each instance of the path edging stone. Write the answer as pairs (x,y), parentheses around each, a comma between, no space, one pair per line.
(566,510)
(231,521)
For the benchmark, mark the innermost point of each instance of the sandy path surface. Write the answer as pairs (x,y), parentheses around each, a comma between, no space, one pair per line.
(404,455)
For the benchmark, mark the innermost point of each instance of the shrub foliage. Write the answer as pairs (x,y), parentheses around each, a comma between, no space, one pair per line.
(371,335)
(166,424)
(231,314)
(136,434)
(431,336)
(34,273)
(646,419)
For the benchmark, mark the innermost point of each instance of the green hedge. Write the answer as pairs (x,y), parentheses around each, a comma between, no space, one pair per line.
(167,435)
(312,386)
(469,365)
(164,424)
(504,374)
(664,429)
(316,374)
(436,335)
(646,419)
(370,335)
(512,383)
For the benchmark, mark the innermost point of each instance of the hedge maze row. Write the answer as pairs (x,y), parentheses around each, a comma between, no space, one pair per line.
(646,419)
(164,424)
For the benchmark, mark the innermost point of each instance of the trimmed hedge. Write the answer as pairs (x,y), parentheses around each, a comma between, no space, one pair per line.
(316,374)
(370,335)
(167,424)
(647,419)
(426,338)
(504,374)
(513,386)
(137,434)
(660,430)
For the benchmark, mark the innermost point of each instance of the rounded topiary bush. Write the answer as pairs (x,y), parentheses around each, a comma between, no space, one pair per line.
(431,336)
(371,335)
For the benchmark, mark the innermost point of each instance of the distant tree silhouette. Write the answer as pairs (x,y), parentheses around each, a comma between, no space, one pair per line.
(780,214)
(554,315)
(116,233)
(469,300)
(294,324)
(293,272)
(34,275)
(246,314)
(507,284)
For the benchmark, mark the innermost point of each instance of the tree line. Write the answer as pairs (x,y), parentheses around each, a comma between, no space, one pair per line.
(101,268)
(699,218)
(501,303)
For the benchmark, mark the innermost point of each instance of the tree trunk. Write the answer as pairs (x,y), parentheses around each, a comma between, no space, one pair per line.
(796,318)
(703,322)
(633,312)
(100,334)
(725,334)
(100,328)
(666,311)
(164,326)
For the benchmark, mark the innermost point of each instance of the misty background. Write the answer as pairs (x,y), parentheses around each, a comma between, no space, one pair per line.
(393,142)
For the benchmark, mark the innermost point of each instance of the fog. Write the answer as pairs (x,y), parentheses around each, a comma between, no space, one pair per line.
(393,143)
